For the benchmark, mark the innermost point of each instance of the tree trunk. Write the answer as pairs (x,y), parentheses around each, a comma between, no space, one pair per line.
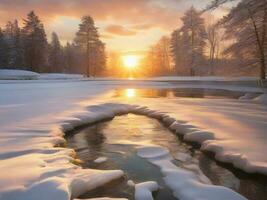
(263,67)
(88,56)
(260,42)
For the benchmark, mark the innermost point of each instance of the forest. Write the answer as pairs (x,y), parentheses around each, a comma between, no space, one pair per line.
(27,48)
(232,46)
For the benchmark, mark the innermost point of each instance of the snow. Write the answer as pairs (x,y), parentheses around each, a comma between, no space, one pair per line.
(104,198)
(12,74)
(35,114)
(100,160)
(185,184)
(203,78)
(59,76)
(143,191)
(262,99)
(248,96)
(130,183)
(8,74)
(152,151)
(182,156)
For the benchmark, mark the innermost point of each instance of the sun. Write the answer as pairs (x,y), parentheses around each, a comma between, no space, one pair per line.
(130,61)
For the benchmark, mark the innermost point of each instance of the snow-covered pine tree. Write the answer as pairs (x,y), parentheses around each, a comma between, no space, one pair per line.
(14,43)
(35,43)
(100,58)
(55,57)
(87,39)
(3,51)
(8,34)
(194,38)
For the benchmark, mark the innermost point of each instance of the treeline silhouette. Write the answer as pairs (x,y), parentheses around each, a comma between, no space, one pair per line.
(27,48)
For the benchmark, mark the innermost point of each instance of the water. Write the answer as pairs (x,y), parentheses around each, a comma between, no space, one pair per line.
(180,92)
(117,140)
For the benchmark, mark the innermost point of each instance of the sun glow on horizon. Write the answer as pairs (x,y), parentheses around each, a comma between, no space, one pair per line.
(130,61)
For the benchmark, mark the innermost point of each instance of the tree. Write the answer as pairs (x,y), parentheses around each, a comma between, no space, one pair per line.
(3,51)
(194,38)
(55,54)
(214,40)
(247,24)
(68,57)
(157,60)
(87,39)
(100,58)
(35,43)
(164,54)
(177,52)
(14,49)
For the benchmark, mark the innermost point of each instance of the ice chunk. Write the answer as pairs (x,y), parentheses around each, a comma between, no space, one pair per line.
(143,191)
(100,160)
(130,183)
(185,184)
(152,151)
(199,136)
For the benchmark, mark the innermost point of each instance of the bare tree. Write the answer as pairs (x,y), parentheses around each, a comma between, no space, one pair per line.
(214,38)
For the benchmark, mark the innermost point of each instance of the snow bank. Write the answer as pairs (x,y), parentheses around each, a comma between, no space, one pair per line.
(204,78)
(227,122)
(60,76)
(143,191)
(185,184)
(51,178)
(13,74)
(6,74)
(261,99)
(248,96)
(103,198)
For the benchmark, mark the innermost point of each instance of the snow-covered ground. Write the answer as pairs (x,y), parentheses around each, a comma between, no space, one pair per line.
(7,74)
(34,115)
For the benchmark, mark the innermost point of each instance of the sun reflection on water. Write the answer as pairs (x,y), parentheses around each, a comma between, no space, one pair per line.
(130,93)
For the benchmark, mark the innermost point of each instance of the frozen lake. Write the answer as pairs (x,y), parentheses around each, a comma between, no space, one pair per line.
(35,115)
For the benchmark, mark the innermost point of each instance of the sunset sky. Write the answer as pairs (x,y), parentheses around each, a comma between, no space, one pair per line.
(125,25)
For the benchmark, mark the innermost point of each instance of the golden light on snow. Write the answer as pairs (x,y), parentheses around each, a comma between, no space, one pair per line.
(130,93)
(130,61)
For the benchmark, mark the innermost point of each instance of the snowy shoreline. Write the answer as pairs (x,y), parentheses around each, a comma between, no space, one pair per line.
(188,132)
(108,111)
(31,139)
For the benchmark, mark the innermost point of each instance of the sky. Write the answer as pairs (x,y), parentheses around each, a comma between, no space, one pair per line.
(124,25)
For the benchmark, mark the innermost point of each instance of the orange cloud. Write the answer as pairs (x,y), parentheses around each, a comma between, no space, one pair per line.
(143,26)
(135,12)
(119,30)
(139,20)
